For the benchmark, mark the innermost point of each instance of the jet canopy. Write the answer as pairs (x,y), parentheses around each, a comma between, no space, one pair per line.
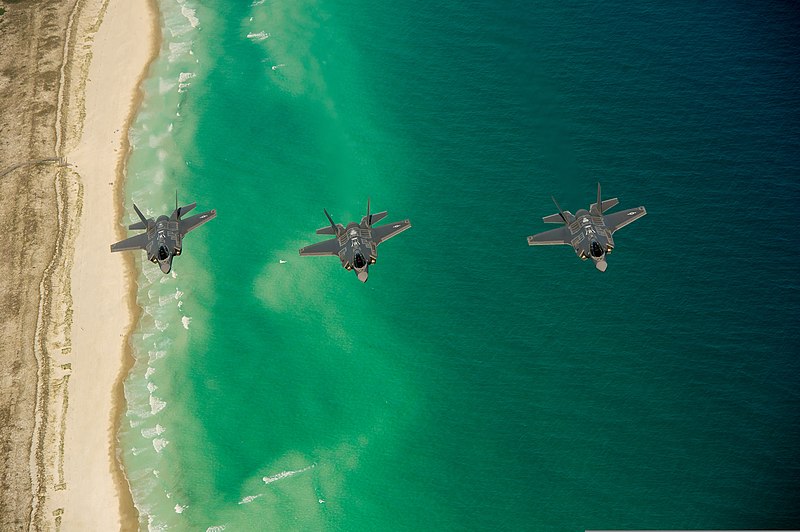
(359,261)
(163,252)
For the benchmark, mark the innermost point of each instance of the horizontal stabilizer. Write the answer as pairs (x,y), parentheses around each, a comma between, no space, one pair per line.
(180,211)
(556,218)
(137,226)
(327,230)
(607,204)
(375,218)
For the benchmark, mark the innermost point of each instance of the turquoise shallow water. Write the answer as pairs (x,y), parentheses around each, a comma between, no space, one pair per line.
(474,382)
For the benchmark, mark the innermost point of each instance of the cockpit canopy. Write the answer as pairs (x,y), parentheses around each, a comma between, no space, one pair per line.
(596,250)
(359,261)
(163,253)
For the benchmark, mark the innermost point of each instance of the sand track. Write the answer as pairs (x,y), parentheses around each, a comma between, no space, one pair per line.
(45,481)
(29,225)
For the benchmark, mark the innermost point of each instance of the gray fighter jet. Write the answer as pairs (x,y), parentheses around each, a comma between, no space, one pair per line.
(356,245)
(164,236)
(588,232)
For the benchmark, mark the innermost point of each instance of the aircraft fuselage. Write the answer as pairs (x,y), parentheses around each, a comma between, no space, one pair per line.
(164,242)
(590,238)
(358,250)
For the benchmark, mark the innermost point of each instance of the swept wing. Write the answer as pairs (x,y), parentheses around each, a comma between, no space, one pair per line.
(328,247)
(193,222)
(552,237)
(385,232)
(620,219)
(134,242)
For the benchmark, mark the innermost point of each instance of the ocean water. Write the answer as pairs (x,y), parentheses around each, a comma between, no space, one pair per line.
(474,383)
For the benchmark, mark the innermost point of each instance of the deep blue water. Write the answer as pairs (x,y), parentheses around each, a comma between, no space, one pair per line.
(474,382)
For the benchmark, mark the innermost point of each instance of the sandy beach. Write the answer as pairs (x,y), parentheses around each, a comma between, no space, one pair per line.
(67,301)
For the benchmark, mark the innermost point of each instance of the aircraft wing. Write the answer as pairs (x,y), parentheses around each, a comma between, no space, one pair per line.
(328,247)
(620,219)
(193,222)
(552,237)
(134,242)
(385,232)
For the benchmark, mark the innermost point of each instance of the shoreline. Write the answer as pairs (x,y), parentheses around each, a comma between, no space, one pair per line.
(108,49)
(129,514)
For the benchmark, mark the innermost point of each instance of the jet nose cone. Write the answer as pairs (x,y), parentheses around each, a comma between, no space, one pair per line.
(362,276)
(166,266)
(601,265)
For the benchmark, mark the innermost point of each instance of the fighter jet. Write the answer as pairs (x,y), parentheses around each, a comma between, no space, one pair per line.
(164,235)
(356,245)
(588,232)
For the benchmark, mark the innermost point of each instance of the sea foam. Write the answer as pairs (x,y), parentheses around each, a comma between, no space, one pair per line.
(179,49)
(152,432)
(250,498)
(156,405)
(191,16)
(155,355)
(183,80)
(258,37)
(285,474)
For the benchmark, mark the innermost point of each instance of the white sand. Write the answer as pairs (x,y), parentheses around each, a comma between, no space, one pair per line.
(90,498)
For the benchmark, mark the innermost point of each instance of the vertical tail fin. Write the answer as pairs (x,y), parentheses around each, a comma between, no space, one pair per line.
(369,217)
(560,212)
(141,216)
(597,209)
(599,200)
(177,212)
(333,224)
